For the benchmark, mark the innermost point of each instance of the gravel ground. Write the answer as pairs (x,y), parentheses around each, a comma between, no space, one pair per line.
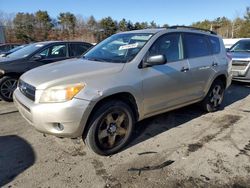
(182,148)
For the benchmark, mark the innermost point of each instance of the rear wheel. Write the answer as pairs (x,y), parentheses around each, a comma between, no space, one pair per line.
(214,97)
(7,87)
(111,128)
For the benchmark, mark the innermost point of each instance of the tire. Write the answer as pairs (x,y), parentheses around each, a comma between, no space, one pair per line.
(7,87)
(214,97)
(110,128)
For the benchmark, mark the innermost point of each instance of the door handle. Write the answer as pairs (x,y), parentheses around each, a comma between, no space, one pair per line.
(214,64)
(183,69)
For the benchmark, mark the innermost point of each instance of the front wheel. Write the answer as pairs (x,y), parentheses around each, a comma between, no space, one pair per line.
(214,97)
(7,87)
(111,128)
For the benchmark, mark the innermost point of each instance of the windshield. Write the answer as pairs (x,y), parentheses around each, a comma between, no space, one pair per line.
(25,51)
(119,48)
(16,48)
(241,46)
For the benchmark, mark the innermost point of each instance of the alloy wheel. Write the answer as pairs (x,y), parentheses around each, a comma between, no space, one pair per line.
(216,96)
(8,87)
(113,129)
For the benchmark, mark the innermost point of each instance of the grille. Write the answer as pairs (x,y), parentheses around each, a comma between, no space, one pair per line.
(240,65)
(27,89)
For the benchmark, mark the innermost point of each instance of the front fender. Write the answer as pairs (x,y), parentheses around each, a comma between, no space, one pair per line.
(96,95)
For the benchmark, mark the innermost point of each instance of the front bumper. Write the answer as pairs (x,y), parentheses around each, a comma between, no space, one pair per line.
(65,119)
(242,75)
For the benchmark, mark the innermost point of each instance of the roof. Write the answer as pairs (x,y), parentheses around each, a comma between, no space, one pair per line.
(50,42)
(173,28)
(3,44)
(153,31)
(247,39)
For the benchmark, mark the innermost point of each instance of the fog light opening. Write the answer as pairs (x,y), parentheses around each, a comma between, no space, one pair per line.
(59,126)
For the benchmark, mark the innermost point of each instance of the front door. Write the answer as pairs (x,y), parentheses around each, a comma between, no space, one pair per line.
(166,86)
(51,54)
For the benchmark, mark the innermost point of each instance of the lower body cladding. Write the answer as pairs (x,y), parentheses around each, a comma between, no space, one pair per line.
(65,119)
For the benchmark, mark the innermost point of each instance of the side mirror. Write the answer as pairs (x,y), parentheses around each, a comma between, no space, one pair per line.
(3,55)
(155,60)
(37,57)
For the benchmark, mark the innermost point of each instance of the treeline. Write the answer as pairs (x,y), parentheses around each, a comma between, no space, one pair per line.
(236,28)
(28,27)
(39,26)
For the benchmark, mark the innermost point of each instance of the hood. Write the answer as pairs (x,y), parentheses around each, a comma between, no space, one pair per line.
(5,61)
(245,56)
(69,72)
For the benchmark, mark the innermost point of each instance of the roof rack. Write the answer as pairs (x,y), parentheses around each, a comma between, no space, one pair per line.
(192,28)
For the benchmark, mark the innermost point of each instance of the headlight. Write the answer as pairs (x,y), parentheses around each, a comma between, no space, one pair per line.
(60,93)
(2,72)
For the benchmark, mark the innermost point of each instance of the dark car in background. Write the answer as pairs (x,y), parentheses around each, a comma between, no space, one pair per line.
(240,53)
(34,55)
(7,46)
(4,54)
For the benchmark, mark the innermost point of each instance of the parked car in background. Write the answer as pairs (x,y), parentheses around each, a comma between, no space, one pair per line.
(240,53)
(15,64)
(230,42)
(128,77)
(7,46)
(4,54)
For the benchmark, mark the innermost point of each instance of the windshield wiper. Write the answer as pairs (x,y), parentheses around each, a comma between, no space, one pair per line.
(95,59)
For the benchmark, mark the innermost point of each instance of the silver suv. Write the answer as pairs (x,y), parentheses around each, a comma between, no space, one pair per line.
(128,77)
(240,53)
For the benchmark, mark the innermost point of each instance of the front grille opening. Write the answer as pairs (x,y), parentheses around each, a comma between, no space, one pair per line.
(26,89)
(240,65)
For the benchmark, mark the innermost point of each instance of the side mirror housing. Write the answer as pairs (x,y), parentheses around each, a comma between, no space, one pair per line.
(37,57)
(3,55)
(155,60)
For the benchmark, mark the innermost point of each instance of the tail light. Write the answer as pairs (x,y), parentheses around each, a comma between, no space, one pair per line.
(229,56)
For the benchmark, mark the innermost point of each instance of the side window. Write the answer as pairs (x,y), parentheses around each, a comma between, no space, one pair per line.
(55,51)
(169,45)
(45,53)
(77,49)
(196,45)
(215,44)
(5,48)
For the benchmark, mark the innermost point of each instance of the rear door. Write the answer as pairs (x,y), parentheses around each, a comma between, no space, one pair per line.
(219,53)
(197,51)
(77,49)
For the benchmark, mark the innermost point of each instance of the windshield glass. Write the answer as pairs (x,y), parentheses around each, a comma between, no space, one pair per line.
(25,51)
(17,48)
(241,46)
(119,48)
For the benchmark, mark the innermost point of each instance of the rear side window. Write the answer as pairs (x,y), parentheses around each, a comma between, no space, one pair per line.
(215,44)
(196,45)
(77,49)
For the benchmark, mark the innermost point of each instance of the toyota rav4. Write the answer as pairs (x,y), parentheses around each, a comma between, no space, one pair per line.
(127,77)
